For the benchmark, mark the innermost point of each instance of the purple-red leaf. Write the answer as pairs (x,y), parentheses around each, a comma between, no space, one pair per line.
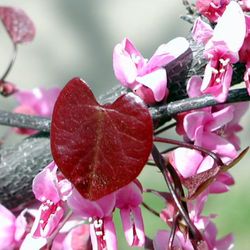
(198,183)
(99,148)
(18,25)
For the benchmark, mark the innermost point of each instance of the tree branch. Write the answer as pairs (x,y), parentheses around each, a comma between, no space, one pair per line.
(160,114)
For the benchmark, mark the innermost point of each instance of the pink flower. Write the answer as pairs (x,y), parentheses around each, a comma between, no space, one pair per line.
(182,240)
(228,130)
(147,79)
(201,31)
(210,234)
(76,238)
(39,99)
(245,4)
(189,162)
(161,240)
(128,200)
(205,129)
(52,190)
(221,50)
(244,54)
(202,223)
(33,243)
(99,214)
(38,102)
(212,9)
(12,229)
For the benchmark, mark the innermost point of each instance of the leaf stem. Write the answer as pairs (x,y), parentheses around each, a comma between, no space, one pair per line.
(11,63)
(150,209)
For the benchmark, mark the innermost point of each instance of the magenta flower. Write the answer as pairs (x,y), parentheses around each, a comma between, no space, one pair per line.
(212,9)
(52,191)
(221,50)
(128,200)
(38,102)
(147,79)
(12,229)
(99,214)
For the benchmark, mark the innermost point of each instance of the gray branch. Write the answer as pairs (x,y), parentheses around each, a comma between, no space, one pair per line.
(160,114)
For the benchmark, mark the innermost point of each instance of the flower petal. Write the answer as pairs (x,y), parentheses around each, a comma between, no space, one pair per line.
(7,228)
(127,225)
(167,53)
(215,143)
(45,184)
(124,68)
(231,22)
(201,31)
(139,227)
(221,118)
(129,195)
(194,86)
(110,234)
(157,82)
(86,208)
(186,161)
(193,121)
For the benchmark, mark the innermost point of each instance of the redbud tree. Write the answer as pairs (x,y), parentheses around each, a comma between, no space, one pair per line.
(82,155)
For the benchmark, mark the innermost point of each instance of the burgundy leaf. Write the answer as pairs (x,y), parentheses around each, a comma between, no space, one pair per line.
(199,182)
(99,148)
(18,25)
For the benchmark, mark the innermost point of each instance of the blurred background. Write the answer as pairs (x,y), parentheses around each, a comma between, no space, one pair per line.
(76,38)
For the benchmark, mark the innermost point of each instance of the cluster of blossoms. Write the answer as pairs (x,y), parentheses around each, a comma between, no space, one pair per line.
(61,218)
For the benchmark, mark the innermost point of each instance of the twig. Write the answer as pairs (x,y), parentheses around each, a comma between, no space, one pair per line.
(160,162)
(191,146)
(11,63)
(24,121)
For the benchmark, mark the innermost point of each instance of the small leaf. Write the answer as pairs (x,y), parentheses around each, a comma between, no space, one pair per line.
(198,183)
(235,161)
(99,148)
(18,25)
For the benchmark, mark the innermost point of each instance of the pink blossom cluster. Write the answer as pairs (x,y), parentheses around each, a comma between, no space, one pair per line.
(38,101)
(62,219)
(148,79)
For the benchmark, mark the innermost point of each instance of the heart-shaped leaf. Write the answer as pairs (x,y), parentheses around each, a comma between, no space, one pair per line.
(18,25)
(99,148)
